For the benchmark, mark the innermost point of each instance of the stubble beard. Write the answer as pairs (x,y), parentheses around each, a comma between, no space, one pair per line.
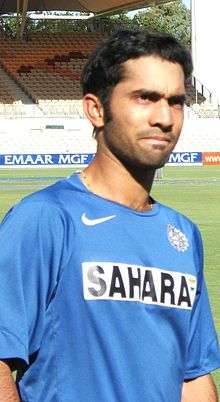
(137,159)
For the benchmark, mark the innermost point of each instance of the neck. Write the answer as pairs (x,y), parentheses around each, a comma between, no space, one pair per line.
(107,177)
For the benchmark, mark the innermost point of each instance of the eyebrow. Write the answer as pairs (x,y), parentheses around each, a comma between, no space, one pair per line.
(155,96)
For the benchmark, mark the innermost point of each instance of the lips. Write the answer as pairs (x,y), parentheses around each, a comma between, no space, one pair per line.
(157,138)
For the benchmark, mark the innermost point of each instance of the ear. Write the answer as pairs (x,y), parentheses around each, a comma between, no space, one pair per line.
(93,110)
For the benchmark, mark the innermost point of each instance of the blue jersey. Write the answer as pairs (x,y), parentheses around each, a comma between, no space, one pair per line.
(100,302)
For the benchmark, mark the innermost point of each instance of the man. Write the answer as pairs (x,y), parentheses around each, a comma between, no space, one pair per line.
(102,292)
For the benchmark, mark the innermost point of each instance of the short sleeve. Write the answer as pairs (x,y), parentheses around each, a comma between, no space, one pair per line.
(203,354)
(32,254)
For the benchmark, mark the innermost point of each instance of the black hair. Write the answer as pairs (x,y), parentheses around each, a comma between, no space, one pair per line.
(104,68)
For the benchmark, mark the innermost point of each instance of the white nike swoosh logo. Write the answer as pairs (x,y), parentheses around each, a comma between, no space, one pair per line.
(92,222)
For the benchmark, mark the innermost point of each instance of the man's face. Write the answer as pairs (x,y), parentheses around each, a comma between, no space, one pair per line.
(146,112)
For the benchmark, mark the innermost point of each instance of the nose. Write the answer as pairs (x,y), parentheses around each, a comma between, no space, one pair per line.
(161,115)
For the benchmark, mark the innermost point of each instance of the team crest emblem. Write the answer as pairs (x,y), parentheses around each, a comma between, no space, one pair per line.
(177,239)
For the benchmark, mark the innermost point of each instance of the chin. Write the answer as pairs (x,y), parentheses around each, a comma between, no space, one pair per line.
(154,166)
(155,159)
(158,163)
(146,165)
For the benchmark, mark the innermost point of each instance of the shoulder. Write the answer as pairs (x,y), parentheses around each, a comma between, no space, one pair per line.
(176,220)
(44,205)
(174,214)
(53,195)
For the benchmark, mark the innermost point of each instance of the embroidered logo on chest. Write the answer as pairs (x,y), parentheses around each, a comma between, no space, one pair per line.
(177,239)
(92,222)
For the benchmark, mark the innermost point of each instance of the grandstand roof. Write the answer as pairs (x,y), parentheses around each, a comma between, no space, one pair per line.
(94,6)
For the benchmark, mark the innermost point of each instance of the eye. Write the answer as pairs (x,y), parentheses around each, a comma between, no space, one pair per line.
(177,102)
(143,98)
(146,97)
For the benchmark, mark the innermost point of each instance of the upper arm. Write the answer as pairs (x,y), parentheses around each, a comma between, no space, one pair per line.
(203,353)
(31,257)
(201,389)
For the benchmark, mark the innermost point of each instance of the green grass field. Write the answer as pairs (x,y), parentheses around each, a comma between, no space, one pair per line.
(194,191)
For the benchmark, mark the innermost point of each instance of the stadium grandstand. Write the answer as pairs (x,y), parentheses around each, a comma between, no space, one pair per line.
(46,71)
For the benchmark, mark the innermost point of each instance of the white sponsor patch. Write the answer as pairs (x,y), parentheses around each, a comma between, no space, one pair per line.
(149,285)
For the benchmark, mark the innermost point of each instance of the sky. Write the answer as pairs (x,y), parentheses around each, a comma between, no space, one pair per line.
(187,3)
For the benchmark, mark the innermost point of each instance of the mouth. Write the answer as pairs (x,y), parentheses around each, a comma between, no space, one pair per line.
(157,139)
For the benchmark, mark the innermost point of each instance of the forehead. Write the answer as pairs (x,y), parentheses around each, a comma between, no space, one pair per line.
(153,73)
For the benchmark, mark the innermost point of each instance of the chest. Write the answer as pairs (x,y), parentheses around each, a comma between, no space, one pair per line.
(138,260)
